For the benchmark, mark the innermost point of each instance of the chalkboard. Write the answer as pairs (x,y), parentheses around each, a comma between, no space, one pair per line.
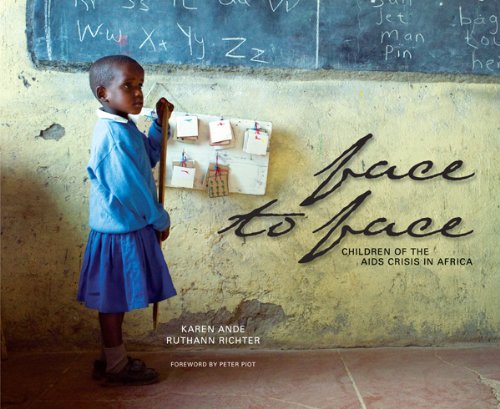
(437,36)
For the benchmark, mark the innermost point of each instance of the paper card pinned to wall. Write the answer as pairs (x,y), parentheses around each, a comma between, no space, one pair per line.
(248,172)
(218,185)
(211,171)
(221,132)
(217,180)
(187,126)
(256,142)
(183,176)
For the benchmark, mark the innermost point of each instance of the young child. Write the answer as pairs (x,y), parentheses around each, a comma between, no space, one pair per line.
(123,267)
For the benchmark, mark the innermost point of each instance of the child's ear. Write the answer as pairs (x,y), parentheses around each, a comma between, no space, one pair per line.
(101,93)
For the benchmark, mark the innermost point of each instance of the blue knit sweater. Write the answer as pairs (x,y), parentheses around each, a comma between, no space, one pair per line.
(123,194)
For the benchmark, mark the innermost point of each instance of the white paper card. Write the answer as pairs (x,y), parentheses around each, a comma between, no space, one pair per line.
(183,176)
(220,131)
(187,126)
(256,142)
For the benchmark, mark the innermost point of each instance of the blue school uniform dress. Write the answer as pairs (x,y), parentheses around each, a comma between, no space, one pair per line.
(123,267)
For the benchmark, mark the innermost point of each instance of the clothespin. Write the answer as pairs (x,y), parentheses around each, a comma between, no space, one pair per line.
(183,162)
(152,115)
(257,130)
(217,170)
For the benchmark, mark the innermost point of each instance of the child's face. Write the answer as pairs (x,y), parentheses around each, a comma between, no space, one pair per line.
(123,95)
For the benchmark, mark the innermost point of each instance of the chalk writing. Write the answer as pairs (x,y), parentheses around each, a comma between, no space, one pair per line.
(139,5)
(186,4)
(200,42)
(289,5)
(387,35)
(98,30)
(240,40)
(398,42)
(86,3)
(234,2)
(481,37)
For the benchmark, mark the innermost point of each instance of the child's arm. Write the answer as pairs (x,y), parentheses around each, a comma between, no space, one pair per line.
(164,234)
(118,174)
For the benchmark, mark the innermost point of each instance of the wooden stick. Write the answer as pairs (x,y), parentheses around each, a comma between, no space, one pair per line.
(161,186)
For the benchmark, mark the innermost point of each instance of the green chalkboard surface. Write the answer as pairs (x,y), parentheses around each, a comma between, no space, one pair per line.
(436,36)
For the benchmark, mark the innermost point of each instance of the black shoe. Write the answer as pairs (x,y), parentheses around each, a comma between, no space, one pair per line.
(134,373)
(99,369)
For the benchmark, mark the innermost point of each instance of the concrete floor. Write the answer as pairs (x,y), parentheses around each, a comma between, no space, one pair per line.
(384,378)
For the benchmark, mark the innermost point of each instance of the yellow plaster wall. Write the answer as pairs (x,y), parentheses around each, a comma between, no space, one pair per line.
(333,301)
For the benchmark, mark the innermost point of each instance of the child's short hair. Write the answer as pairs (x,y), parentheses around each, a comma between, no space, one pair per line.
(102,71)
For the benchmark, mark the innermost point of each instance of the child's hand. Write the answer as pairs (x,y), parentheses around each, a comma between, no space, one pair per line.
(164,234)
(161,108)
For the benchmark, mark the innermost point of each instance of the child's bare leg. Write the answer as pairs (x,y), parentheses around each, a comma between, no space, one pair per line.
(119,367)
(111,328)
(111,332)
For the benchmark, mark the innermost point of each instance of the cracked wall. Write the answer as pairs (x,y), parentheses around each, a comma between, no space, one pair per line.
(45,125)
